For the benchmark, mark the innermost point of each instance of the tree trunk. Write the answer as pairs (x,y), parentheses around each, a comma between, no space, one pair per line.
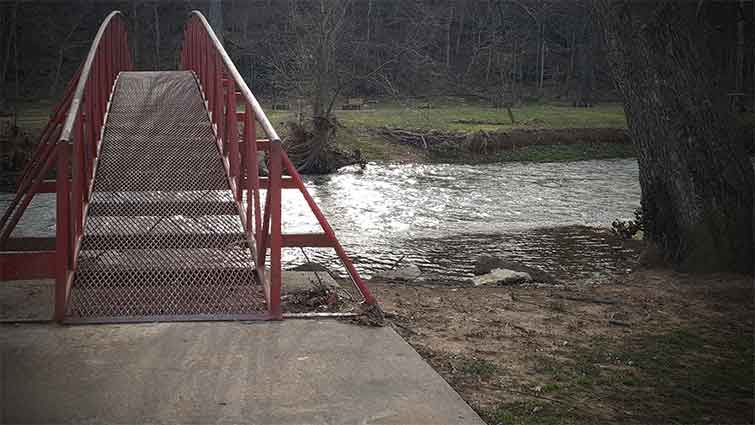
(696,180)
(542,55)
(515,74)
(570,69)
(460,31)
(586,71)
(56,77)
(11,37)
(3,25)
(216,18)
(490,64)
(740,65)
(157,36)
(448,41)
(368,37)
(247,8)
(134,39)
(15,63)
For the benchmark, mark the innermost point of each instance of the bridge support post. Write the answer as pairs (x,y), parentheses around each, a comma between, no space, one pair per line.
(62,236)
(232,140)
(275,228)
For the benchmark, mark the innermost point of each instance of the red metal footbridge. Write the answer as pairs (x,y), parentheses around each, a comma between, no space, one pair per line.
(159,198)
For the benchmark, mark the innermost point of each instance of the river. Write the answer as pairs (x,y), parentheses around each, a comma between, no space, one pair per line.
(440,216)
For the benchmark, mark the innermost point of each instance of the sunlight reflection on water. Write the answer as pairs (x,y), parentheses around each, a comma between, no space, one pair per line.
(439,216)
(426,212)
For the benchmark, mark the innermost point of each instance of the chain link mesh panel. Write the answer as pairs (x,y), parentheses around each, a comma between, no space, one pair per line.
(163,237)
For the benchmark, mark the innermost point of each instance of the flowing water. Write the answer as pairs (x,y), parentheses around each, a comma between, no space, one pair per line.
(440,216)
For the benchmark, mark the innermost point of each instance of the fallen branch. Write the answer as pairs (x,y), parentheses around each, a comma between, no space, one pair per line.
(587,299)
(478,122)
(418,138)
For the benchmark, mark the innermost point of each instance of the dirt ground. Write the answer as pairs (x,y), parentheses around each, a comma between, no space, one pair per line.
(653,346)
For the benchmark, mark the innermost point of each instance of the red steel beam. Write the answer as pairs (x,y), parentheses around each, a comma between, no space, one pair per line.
(232,139)
(63,232)
(286,183)
(252,180)
(47,186)
(27,265)
(356,278)
(276,165)
(306,240)
(262,144)
(29,244)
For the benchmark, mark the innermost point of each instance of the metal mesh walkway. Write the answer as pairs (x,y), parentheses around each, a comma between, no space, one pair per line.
(162,238)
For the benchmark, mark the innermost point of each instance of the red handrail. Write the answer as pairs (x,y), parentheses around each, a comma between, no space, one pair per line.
(221,82)
(44,150)
(78,146)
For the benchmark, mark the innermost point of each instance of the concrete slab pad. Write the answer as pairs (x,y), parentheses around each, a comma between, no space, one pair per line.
(291,372)
(27,300)
(298,281)
(39,218)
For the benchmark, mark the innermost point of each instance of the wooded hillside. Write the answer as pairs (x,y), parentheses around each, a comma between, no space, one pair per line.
(501,51)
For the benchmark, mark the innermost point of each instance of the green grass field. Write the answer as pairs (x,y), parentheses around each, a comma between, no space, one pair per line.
(446,117)
(34,115)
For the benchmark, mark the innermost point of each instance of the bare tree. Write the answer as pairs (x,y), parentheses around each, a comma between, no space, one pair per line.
(64,46)
(216,18)
(136,31)
(157,33)
(12,35)
(318,63)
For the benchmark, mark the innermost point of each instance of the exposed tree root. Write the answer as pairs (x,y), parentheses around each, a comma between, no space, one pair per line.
(312,147)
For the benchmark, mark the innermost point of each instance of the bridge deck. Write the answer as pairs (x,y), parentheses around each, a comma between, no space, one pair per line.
(163,238)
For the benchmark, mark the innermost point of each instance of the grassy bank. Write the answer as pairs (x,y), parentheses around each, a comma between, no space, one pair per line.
(469,117)
(558,153)
(33,116)
(689,384)
(653,346)
(357,125)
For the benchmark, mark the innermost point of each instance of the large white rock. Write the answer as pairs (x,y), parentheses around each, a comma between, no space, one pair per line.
(502,277)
